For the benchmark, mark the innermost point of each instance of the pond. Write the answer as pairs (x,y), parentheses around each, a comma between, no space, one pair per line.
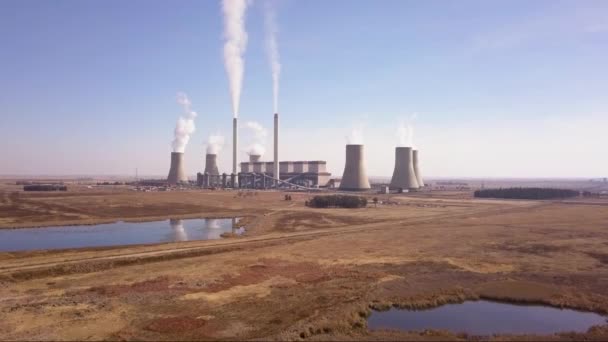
(116,234)
(487,318)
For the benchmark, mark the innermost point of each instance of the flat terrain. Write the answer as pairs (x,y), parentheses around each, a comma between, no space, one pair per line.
(298,273)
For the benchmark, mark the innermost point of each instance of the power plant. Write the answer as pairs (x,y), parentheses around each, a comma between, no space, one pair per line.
(309,174)
(354,177)
(177,172)
(417,169)
(404,175)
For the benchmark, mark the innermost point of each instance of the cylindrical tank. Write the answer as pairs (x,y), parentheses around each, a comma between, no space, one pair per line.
(355,174)
(404,176)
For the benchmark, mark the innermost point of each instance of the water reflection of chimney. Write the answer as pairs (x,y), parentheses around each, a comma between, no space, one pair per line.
(179,233)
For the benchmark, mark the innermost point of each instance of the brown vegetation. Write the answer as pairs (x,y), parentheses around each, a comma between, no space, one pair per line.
(299,273)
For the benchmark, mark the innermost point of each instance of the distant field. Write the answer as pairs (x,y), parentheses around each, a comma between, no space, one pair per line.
(299,273)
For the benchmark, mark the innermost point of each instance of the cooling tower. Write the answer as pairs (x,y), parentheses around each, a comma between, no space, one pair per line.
(355,175)
(177,172)
(404,176)
(275,168)
(417,169)
(211,165)
(254,158)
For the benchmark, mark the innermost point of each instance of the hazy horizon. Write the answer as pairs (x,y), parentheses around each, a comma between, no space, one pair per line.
(515,91)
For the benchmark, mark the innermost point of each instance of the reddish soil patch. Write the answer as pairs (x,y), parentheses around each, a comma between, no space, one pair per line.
(302,272)
(175,324)
(152,285)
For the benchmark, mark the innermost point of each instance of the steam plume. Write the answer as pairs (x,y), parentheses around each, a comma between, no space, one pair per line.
(259,136)
(185,124)
(215,143)
(405,131)
(234,47)
(405,134)
(273,51)
(356,136)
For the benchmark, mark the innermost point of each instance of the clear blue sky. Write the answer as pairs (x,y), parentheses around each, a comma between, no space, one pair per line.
(499,88)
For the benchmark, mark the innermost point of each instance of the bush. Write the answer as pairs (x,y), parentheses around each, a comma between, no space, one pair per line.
(526,193)
(337,201)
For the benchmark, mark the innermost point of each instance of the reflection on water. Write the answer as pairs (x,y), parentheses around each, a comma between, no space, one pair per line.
(486,318)
(116,234)
(178,230)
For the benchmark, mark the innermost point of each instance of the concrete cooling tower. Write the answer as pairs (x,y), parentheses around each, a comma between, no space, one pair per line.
(355,174)
(404,176)
(417,169)
(177,172)
(211,165)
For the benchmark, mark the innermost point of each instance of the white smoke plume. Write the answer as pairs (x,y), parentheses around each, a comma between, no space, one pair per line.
(215,143)
(356,136)
(405,134)
(272,50)
(256,149)
(185,124)
(258,139)
(234,47)
(405,131)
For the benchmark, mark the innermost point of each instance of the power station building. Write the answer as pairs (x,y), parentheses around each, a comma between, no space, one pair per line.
(259,174)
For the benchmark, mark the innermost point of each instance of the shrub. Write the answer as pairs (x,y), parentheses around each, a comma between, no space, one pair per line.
(337,201)
(526,193)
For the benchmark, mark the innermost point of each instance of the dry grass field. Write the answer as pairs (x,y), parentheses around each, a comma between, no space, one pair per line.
(298,273)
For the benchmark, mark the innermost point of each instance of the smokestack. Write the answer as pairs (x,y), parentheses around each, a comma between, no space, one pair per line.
(404,176)
(211,164)
(417,169)
(234,144)
(275,171)
(177,172)
(254,158)
(355,174)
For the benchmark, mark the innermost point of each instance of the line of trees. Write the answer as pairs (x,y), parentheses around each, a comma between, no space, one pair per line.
(526,193)
(337,201)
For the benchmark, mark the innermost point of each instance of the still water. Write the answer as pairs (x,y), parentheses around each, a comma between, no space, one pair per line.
(487,318)
(116,234)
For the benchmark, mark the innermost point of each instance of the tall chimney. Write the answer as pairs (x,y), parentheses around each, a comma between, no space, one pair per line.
(211,164)
(417,169)
(355,174)
(275,171)
(177,172)
(404,176)
(234,144)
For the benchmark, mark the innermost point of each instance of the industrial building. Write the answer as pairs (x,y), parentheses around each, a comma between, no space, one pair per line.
(260,174)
